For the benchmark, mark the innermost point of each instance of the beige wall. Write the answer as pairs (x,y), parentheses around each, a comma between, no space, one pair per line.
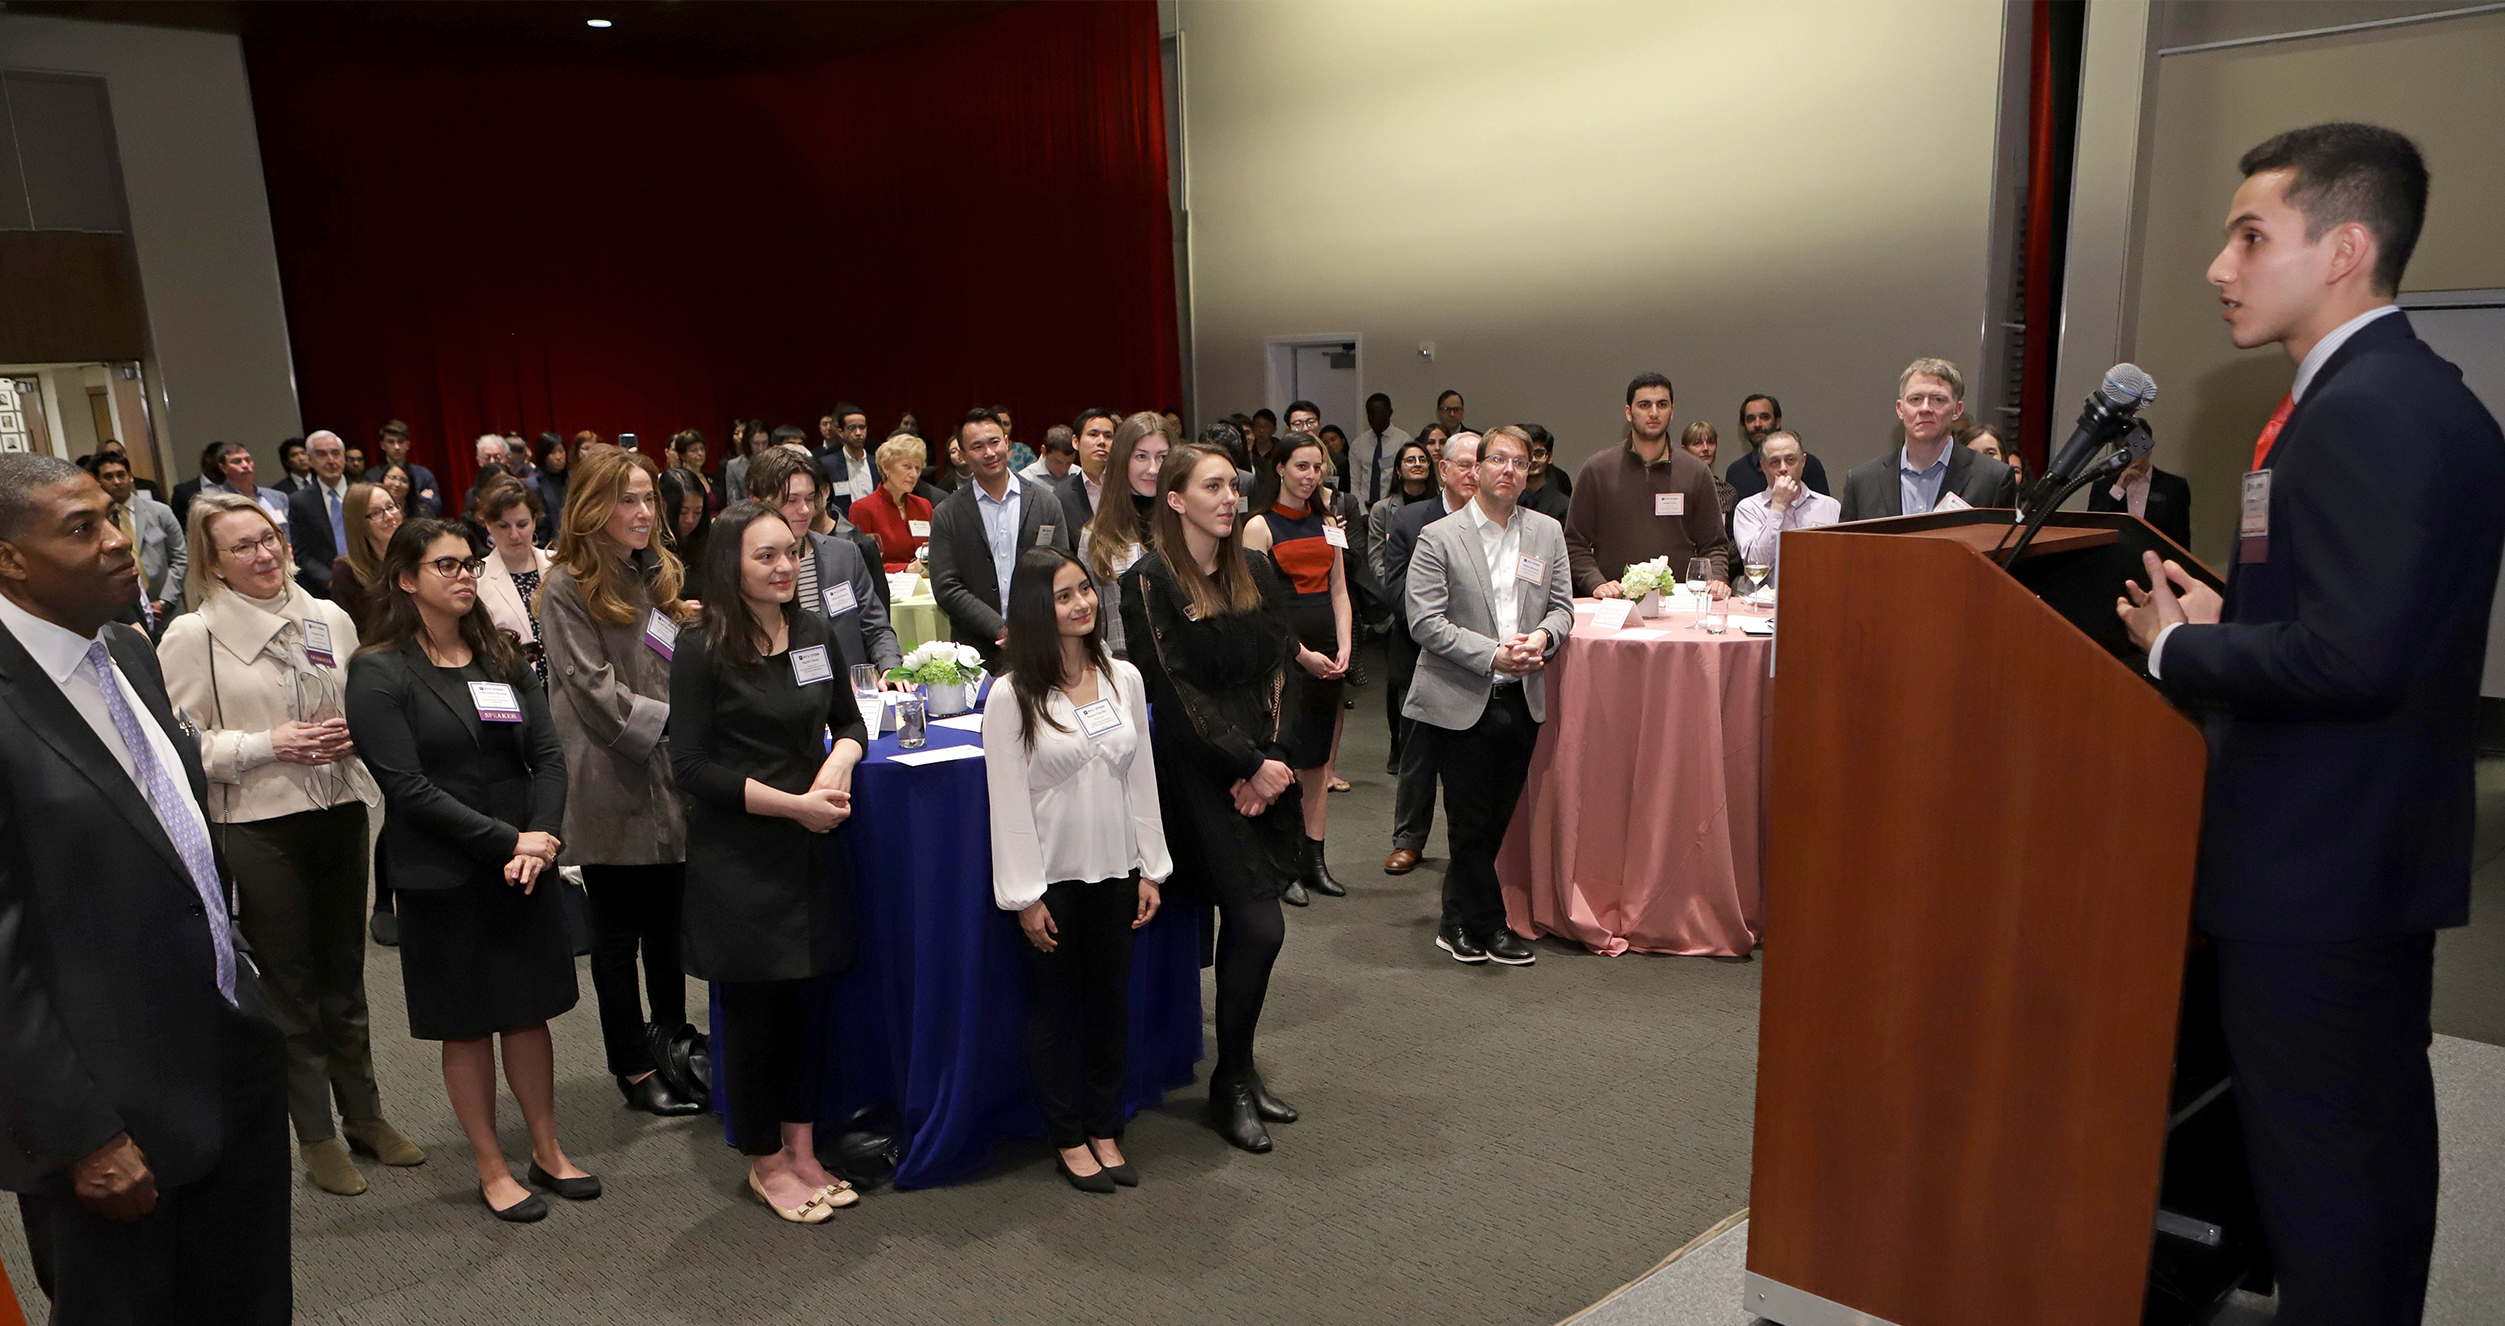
(191,170)
(2436,81)
(1783,197)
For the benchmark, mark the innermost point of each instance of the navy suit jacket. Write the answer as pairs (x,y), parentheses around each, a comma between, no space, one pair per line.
(309,529)
(2342,683)
(2169,509)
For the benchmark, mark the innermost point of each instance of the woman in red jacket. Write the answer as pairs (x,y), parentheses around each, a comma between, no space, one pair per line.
(899,520)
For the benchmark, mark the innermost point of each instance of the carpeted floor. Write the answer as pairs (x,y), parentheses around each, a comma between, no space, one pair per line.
(1479,1145)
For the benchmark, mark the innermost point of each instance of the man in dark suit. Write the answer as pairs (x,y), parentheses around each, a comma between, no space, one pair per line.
(1092,434)
(2336,838)
(295,468)
(1761,417)
(845,454)
(425,498)
(190,488)
(2163,500)
(1930,471)
(978,532)
(317,514)
(142,1081)
(1413,793)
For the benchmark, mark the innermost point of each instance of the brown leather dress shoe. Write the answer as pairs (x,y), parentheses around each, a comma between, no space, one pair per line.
(1400,862)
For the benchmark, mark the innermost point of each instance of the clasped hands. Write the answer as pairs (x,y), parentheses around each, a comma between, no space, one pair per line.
(1253,795)
(1524,654)
(1321,665)
(533,852)
(2172,598)
(325,742)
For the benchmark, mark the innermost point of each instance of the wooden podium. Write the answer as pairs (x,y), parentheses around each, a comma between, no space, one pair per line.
(1983,829)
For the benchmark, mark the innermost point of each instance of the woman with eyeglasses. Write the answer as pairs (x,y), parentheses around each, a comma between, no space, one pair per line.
(259,667)
(610,612)
(456,730)
(764,738)
(372,515)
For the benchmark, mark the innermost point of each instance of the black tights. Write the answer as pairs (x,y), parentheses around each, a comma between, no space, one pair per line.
(635,909)
(1249,936)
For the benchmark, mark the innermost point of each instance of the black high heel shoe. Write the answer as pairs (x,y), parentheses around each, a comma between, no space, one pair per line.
(1235,1117)
(1099,1182)
(653,1096)
(1314,874)
(1270,1107)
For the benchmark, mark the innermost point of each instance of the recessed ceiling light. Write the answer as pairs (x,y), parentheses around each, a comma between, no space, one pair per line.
(595,22)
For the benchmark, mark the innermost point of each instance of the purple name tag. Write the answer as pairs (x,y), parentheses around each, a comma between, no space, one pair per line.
(496,702)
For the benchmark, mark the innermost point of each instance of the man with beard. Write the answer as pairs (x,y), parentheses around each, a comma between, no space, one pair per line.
(1646,499)
(1761,416)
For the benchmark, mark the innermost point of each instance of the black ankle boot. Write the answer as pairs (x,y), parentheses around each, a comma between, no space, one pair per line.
(1269,1107)
(652,1095)
(1233,1114)
(1294,894)
(1314,875)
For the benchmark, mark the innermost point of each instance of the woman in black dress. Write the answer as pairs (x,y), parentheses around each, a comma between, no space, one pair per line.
(1308,542)
(754,691)
(455,728)
(1209,632)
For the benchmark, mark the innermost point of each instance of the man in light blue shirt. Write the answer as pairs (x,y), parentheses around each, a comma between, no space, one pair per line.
(1929,469)
(978,532)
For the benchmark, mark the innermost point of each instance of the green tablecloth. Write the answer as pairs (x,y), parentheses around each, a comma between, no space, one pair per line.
(917,622)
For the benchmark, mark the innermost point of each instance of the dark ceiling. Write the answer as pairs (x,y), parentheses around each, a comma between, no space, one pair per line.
(700,33)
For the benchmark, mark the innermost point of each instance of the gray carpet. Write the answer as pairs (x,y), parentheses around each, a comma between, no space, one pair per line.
(1479,1145)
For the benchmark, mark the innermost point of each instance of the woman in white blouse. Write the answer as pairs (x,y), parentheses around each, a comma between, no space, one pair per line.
(509,585)
(261,670)
(1078,850)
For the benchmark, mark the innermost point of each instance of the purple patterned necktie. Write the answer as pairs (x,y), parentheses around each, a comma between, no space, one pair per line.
(191,837)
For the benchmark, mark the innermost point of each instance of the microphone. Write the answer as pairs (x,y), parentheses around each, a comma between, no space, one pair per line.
(2108,411)
(2136,443)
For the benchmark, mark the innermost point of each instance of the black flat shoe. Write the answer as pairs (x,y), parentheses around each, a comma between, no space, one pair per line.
(1099,1182)
(1232,1113)
(1294,894)
(1271,1108)
(526,1211)
(653,1096)
(584,1189)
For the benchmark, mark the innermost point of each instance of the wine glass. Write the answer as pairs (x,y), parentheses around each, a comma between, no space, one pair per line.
(1699,570)
(1757,571)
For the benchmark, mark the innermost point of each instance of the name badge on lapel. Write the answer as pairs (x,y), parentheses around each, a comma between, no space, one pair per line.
(1043,536)
(1669,504)
(839,599)
(496,702)
(920,529)
(1335,535)
(1098,719)
(661,633)
(317,642)
(1531,569)
(2252,530)
(810,666)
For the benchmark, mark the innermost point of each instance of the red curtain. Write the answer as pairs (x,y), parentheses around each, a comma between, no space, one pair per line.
(476,242)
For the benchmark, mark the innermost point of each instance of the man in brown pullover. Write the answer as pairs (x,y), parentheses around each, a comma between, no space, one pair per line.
(1645,499)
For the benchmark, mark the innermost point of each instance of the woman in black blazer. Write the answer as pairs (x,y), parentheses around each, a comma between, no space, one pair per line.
(754,692)
(455,728)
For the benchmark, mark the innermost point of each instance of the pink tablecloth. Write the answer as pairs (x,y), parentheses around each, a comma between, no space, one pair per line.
(1643,824)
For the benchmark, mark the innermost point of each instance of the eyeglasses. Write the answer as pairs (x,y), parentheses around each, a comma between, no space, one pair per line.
(1514,463)
(266,543)
(449,567)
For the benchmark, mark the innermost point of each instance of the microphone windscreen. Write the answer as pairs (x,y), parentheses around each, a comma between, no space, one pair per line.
(2129,387)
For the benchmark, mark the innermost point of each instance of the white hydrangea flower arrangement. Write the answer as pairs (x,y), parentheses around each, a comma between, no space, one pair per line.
(940,663)
(1644,577)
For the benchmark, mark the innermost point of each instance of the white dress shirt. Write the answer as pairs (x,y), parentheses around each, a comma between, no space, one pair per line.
(2306,369)
(1758,528)
(1001,517)
(1077,807)
(2132,492)
(63,657)
(1368,453)
(1502,545)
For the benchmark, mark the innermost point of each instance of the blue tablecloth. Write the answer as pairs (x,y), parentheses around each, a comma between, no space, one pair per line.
(932,1015)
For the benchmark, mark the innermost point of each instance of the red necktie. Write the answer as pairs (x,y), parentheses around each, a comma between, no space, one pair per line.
(2270,431)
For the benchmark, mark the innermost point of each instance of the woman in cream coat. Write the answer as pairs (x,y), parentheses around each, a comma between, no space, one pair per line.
(261,669)
(509,584)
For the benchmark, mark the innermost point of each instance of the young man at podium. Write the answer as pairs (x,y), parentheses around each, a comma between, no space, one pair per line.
(2340,676)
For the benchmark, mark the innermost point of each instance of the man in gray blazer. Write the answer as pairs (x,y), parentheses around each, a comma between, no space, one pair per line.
(1490,600)
(835,582)
(1916,478)
(156,538)
(978,532)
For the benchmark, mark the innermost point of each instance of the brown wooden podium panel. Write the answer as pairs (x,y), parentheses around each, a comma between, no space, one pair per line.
(1983,833)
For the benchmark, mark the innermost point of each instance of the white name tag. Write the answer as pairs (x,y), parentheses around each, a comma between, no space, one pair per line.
(661,633)
(809,666)
(1241,505)
(1043,535)
(1613,614)
(1669,504)
(1099,718)
(2252,529)
(1531,569)
(1335,535)
(496,702)
(920,529)
(1952,502)
(839,599)
(317,642)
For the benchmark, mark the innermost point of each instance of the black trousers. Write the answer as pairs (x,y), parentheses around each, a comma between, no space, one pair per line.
(1400,654)
(770,1062)
(216,1248)
(301,879)
(635,909)
(2329,1045)
(1078,1012)
(382,876)
(1483,770)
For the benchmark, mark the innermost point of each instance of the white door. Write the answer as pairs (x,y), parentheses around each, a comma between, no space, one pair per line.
(1327,376)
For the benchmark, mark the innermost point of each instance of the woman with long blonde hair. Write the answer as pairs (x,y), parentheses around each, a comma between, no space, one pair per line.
(609,612)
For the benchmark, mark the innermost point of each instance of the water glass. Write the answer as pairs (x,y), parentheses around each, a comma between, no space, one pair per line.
(912,723)
(866,697)
(1713,610)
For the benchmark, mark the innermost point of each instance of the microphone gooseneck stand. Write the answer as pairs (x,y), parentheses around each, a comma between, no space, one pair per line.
(2112,465)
